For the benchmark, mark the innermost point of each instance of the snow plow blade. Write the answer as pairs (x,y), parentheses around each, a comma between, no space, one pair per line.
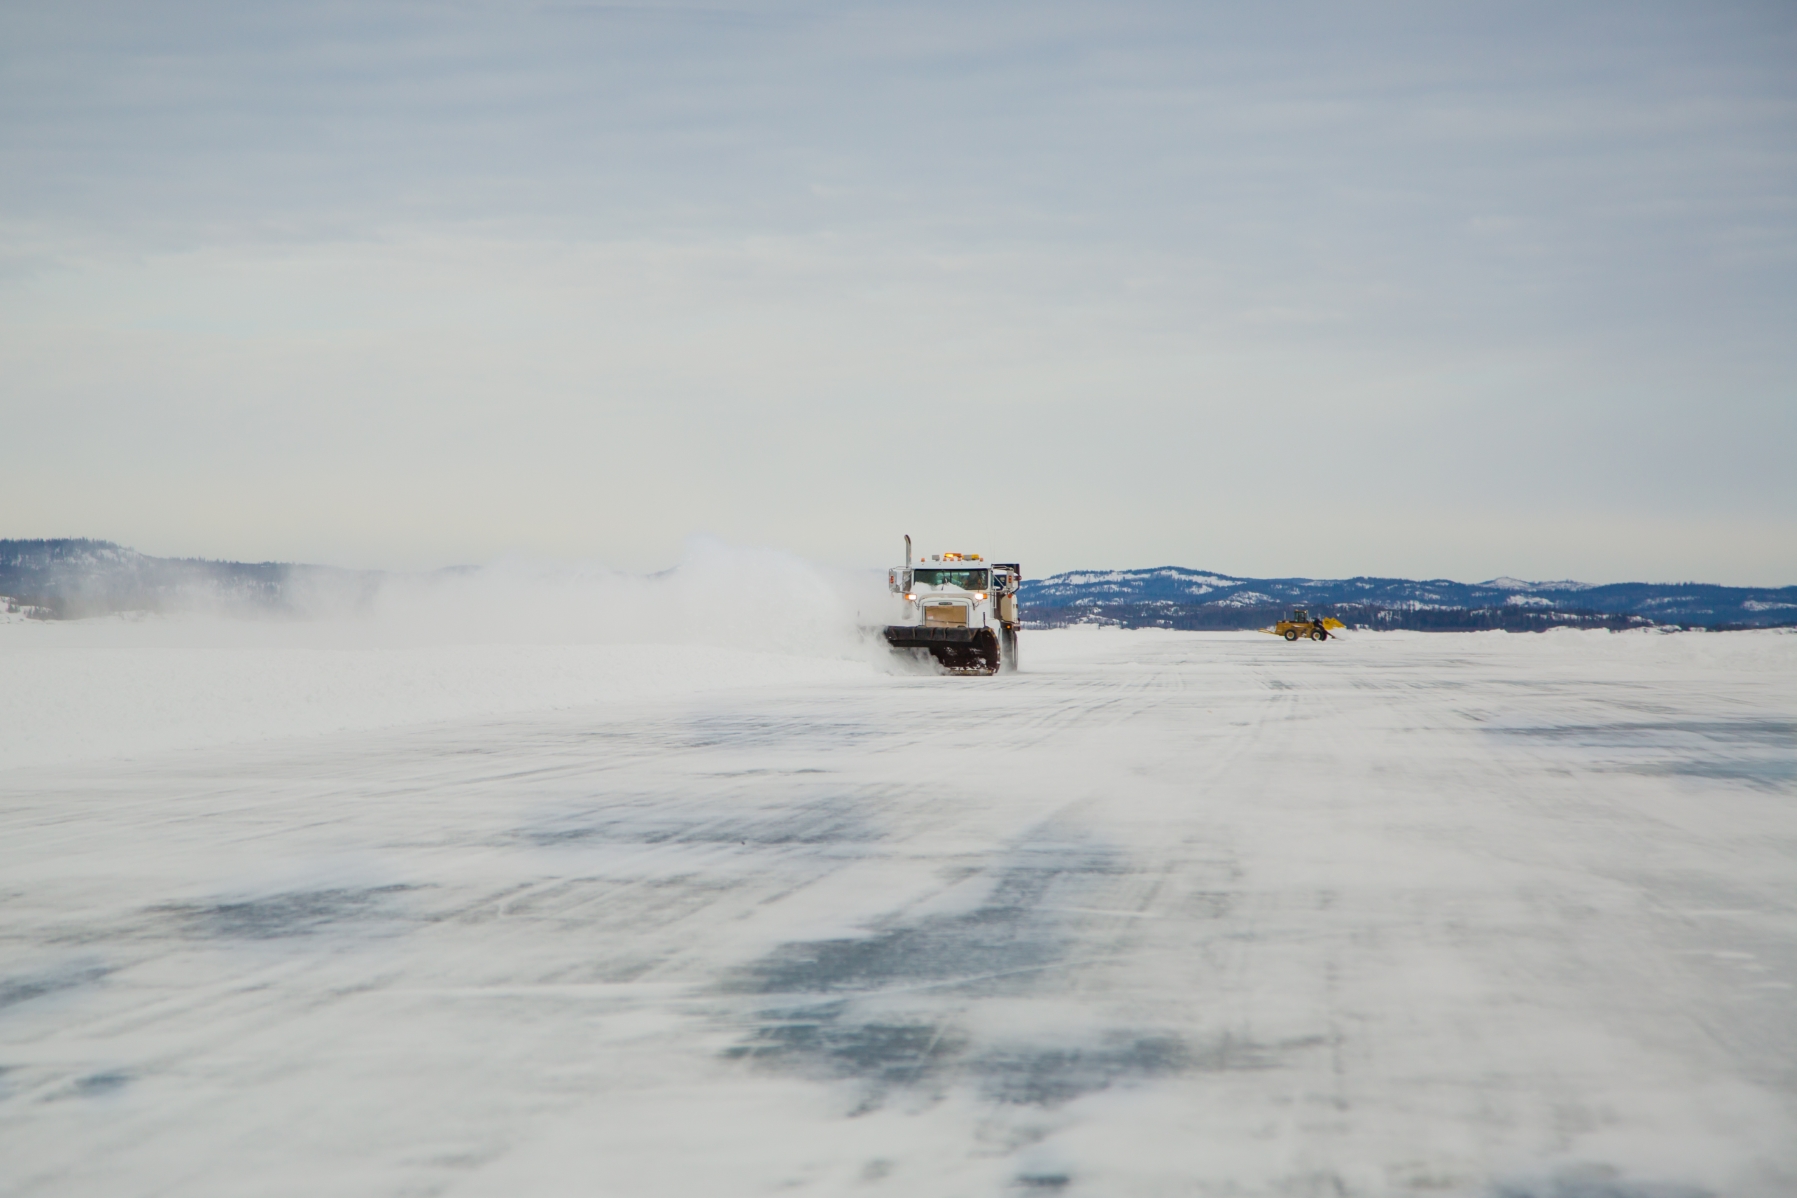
(959,650)
(923,636)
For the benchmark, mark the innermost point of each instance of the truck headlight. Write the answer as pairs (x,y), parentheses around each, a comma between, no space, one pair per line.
(980,596)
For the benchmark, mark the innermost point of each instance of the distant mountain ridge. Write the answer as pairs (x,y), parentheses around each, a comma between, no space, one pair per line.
(1177,597)
(76,577)
(69,578)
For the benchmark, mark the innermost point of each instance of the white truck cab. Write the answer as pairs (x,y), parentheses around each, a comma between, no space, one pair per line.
(959,608)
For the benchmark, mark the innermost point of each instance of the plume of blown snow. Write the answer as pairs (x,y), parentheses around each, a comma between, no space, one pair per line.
(353,652)
(718,594)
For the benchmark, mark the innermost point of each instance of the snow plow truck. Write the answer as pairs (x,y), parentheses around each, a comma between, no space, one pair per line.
(958,608)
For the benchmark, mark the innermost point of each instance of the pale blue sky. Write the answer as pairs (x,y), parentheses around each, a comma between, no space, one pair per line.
(1309,289)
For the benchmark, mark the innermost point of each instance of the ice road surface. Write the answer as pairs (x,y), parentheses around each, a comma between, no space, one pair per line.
(1204,914)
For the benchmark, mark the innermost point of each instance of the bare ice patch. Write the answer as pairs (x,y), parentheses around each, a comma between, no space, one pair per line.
(277,916)
(1759,751)
(1595,1181)
(885,1010)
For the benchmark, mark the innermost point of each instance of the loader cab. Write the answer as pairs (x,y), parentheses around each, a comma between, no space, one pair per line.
(1300,615)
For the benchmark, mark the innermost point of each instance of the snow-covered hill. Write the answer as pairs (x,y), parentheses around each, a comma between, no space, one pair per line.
(78,577)
(1175,597)
(73,578)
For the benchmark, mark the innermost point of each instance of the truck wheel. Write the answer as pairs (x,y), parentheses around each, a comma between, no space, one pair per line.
(986,652)
(1291,634)
(1319,635)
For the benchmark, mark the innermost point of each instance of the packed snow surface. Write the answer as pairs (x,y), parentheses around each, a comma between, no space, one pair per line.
(286,913)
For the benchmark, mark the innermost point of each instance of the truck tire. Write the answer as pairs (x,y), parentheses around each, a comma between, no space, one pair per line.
(978,656)
(988,653)
(1319,635)
(1291,634)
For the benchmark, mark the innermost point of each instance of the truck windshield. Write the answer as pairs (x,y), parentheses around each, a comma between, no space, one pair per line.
(967,580)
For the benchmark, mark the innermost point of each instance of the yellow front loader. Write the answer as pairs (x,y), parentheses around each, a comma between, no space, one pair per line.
(1298,624)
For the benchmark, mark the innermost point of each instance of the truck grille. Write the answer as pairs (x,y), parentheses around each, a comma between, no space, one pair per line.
(953,614)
